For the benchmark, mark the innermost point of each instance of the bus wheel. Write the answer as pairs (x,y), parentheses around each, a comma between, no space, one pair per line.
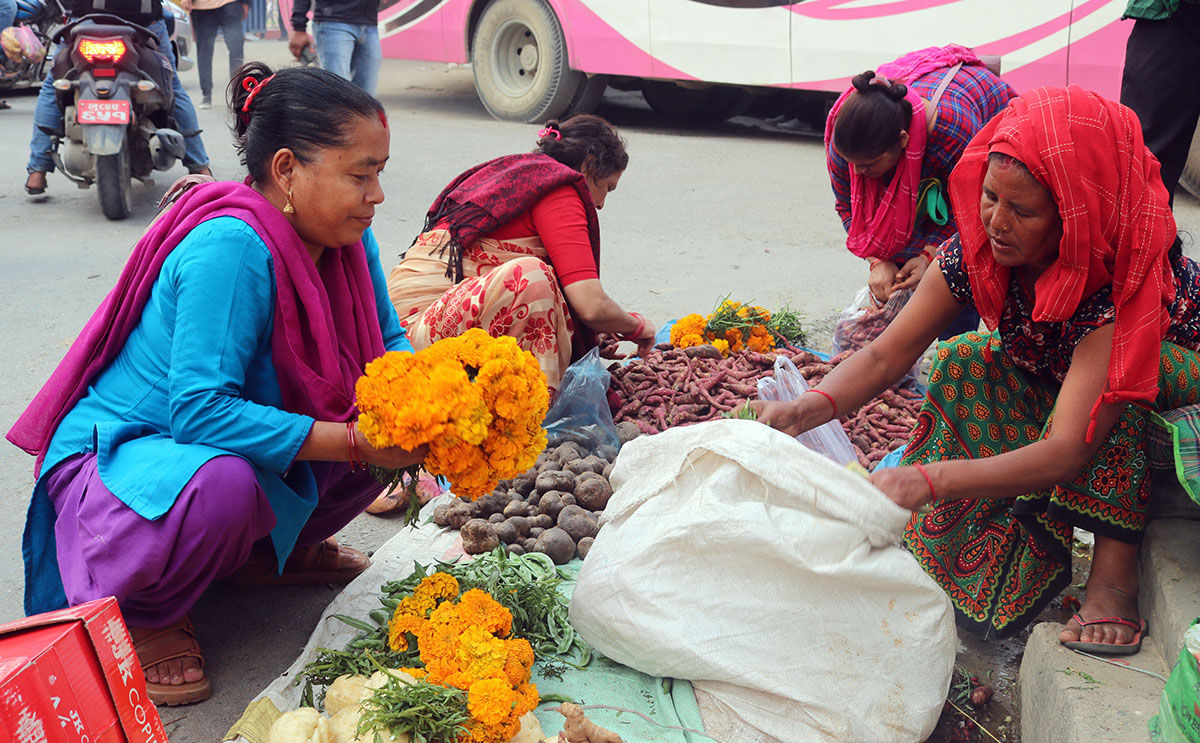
(519,57)
(685,104)
(1190,177)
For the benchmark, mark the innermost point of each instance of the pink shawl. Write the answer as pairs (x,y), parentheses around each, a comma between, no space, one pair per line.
(326,325)
(882,217)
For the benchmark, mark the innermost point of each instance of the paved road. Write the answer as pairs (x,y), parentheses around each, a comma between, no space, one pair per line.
(732,208)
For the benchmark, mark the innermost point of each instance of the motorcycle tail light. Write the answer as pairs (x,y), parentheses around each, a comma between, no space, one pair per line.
(102,50)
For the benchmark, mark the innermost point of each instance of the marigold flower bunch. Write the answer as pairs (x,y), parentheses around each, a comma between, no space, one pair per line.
(478,402)
(734,327)
(465,642)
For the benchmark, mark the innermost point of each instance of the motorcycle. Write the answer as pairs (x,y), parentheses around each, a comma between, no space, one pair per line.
(23,63)
(115,89)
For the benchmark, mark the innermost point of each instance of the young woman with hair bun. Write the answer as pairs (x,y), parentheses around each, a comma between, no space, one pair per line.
(891,141)
(202,425)
(513,246)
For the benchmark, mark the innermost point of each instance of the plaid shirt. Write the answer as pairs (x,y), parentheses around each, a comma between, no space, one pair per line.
(970,101)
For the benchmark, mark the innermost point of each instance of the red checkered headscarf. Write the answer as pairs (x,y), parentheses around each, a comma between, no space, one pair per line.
(1116,218)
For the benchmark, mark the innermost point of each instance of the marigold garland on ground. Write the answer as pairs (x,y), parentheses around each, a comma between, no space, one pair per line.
(464,642)
(477,401)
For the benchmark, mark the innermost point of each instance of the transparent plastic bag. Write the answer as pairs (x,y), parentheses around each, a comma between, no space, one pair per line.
(830,438)
(21,44)
(581,413)
(863,322)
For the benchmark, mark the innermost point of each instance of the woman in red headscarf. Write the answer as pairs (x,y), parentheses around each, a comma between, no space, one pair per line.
(1068,249)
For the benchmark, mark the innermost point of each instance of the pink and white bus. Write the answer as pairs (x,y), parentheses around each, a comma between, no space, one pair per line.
(536,59)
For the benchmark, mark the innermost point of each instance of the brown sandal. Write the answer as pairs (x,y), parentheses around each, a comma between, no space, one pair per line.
(323,562)
(157,645)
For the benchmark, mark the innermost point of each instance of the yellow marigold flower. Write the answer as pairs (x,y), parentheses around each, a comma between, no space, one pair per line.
(479,609)
(481,655)
(722,345)
(527,699)
(519,660)
(400,627)
(438,586)
(688,325)
(491,701)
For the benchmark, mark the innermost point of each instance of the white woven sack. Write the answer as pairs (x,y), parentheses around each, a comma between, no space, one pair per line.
(771,578)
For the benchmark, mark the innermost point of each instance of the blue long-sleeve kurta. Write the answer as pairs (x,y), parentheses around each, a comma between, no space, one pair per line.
(195,380)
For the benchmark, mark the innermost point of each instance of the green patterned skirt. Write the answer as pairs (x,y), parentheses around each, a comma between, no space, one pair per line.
(1002,560)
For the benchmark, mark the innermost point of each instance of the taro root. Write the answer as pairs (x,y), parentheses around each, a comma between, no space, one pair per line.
(627,431)
(534,498)
(584,546)
(515,549)
(516,508)
(495,518)
(566,452)
(491,503)
(459,514)
(549,466)
(555,480)
(550,505)
(607,453)
(528,544)
(479,536)
(523,483)
(521,524)
(568,499)
(607,473)
(593,494)
(507,532)
(578,525)
(534,533)
(588,464)
(557,544)
(541,520)
(441,514)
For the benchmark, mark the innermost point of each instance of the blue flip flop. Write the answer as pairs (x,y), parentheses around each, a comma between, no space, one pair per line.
(1109,648)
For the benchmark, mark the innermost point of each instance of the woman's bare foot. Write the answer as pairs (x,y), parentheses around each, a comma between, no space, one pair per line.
(175,672)
(172,663)
(1112,591)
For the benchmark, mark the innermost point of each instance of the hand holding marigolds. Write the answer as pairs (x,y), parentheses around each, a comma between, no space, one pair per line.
(478,402)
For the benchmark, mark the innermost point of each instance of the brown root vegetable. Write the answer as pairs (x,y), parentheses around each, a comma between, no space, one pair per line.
(566,452)
(478,537)
(568,499)
(515,549)
(521,524)
(627,431)
(506,532)
(534,533)
(528,544)
(593,494)
(607,473)
(534,498)
(495,518)
(578,526)
(584,547)
(548,466)
(579,729)
(573,510)
(523,483)
(459,514)
(541,520)
(705,351)
(441,514)
(557,544)
(516,508)
(556,480)
(550,504)
(981,695)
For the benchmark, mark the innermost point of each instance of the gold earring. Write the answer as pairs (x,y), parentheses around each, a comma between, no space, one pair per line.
(288,208)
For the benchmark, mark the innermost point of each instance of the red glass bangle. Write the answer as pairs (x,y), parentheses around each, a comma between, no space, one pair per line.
(637,332)
(928,481)
(828,397)
(355,461)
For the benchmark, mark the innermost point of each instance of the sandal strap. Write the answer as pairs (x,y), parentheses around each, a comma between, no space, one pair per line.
(1131,623)
(158,645)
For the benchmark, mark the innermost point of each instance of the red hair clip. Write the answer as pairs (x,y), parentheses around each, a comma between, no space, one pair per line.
(548,132)
(252,86)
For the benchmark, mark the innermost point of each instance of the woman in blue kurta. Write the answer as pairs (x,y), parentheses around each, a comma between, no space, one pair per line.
(208,405)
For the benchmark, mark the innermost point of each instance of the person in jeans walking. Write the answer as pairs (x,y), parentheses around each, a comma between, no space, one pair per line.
(48,114)
(209,17)
(347,38)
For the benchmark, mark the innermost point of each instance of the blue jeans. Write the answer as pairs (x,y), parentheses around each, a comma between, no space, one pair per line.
(350,51)
(228,20)
(47,113)
(8,13)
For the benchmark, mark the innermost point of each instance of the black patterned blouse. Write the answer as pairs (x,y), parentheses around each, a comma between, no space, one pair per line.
(1045,349)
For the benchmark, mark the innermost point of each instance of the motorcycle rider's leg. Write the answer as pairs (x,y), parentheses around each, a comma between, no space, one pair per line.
(235,40)
(8,13)
(45,113)
(205,23)
(367,56)
(194,158)
(335,46)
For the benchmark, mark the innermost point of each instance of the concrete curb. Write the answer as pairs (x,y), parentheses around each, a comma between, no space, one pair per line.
(1170,580)
(1070,698)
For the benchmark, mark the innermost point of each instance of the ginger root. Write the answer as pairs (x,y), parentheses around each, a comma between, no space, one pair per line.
(579,729)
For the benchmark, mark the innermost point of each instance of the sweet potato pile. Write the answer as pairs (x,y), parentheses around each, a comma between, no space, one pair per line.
(679,387)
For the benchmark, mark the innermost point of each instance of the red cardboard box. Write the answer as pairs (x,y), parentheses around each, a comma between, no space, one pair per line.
(71,676)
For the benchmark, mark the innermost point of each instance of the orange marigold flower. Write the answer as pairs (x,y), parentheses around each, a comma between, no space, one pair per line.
(438,586)
(401,626)
(687,327)
(479,609)
(481,654)
(491,701)
(527,699)
(721,345)
(519,660)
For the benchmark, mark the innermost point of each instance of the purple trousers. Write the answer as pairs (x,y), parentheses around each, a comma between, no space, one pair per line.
(157,570)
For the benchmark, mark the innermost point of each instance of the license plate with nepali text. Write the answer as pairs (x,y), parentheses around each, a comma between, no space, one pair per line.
(102,112)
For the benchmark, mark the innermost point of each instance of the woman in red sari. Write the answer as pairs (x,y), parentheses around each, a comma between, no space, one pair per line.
(513,246)
(1068,249)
